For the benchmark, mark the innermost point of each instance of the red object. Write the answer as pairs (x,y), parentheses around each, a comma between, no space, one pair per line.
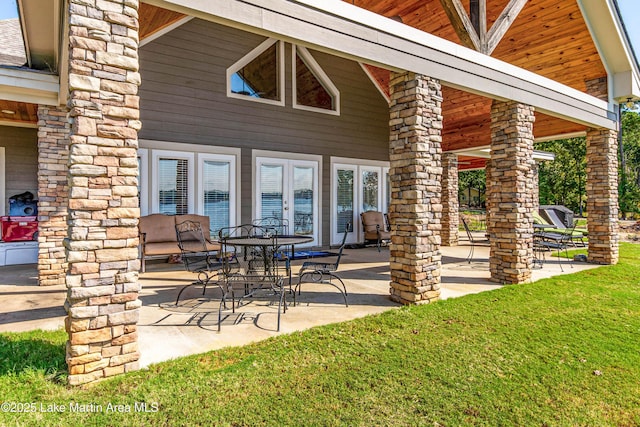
(19,228)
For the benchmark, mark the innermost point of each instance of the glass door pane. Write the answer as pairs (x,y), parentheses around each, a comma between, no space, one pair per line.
(370,190)
(216,187)
(345,189)
(303,200)
(271,191)
(173,186)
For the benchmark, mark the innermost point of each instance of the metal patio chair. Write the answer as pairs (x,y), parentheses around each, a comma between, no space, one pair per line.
(198,255)
(472,240)
(324,272)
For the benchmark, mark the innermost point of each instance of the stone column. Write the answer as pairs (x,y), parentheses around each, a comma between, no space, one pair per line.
(450,213)
(53,193)
(511,192)
(102,299)
(602,196)
(416,174)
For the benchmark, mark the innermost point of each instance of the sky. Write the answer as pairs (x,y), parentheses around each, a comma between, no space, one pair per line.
(630,10)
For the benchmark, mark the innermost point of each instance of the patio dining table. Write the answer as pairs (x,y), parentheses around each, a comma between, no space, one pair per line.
(256,265)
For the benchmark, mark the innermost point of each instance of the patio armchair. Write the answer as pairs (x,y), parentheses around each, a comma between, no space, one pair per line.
(375,228)
(197,256)
(324,272)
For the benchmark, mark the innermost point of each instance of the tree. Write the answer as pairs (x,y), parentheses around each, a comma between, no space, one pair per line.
(629,172)
(474,179)
(562,181)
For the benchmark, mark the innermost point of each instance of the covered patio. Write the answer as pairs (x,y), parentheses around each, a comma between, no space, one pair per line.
(167,331)
(240,110)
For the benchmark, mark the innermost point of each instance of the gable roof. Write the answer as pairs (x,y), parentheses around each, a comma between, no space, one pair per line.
(11,44)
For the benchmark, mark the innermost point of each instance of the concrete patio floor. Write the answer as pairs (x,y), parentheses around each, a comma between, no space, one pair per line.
(167,331)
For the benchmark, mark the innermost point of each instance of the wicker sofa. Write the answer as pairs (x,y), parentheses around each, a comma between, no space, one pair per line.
(158,235)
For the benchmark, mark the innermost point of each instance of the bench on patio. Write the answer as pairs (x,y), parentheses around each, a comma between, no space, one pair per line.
(158,235)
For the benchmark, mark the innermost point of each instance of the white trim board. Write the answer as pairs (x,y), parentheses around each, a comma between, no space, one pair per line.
(29,86)
(345,30)
(165,30)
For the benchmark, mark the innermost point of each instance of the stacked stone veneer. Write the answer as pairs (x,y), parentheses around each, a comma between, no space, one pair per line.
(450,209)
(102,300)
(510,190)
(602,196)
(53,193)
(416,174)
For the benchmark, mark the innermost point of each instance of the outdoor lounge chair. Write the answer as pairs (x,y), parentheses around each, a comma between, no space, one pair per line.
(324,272)
(375,228)
(558,226)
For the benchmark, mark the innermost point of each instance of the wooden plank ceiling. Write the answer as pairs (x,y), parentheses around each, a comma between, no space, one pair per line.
(549,37)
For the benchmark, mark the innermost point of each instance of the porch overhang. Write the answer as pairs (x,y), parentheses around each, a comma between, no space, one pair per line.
(34,87)
(608,31)
(348,31)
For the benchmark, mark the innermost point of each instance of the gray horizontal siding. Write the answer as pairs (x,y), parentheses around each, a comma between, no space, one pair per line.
(183,99)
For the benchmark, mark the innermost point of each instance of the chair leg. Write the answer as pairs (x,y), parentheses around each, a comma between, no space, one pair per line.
(343,291)
(321,279)
(470,256)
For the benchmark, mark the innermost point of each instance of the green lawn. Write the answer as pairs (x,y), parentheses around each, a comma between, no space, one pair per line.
(559,352)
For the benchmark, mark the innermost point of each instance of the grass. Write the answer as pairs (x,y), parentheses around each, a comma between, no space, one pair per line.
(559,352)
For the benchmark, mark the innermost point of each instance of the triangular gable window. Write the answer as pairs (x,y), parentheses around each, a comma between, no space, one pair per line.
(259,75)
(312,88)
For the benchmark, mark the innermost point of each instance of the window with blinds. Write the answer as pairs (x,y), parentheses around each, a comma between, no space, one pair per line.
(345,190)
(173,186)
(216,177)
(271,185)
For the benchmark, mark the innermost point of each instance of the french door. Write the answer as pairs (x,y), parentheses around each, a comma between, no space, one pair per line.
(356,189)
(288,189)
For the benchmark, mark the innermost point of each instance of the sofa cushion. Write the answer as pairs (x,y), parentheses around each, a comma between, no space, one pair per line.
(158,228)
(161,248)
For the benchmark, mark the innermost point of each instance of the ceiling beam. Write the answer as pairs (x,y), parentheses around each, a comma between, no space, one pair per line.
(502,24)
(472,30)
(462,24)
